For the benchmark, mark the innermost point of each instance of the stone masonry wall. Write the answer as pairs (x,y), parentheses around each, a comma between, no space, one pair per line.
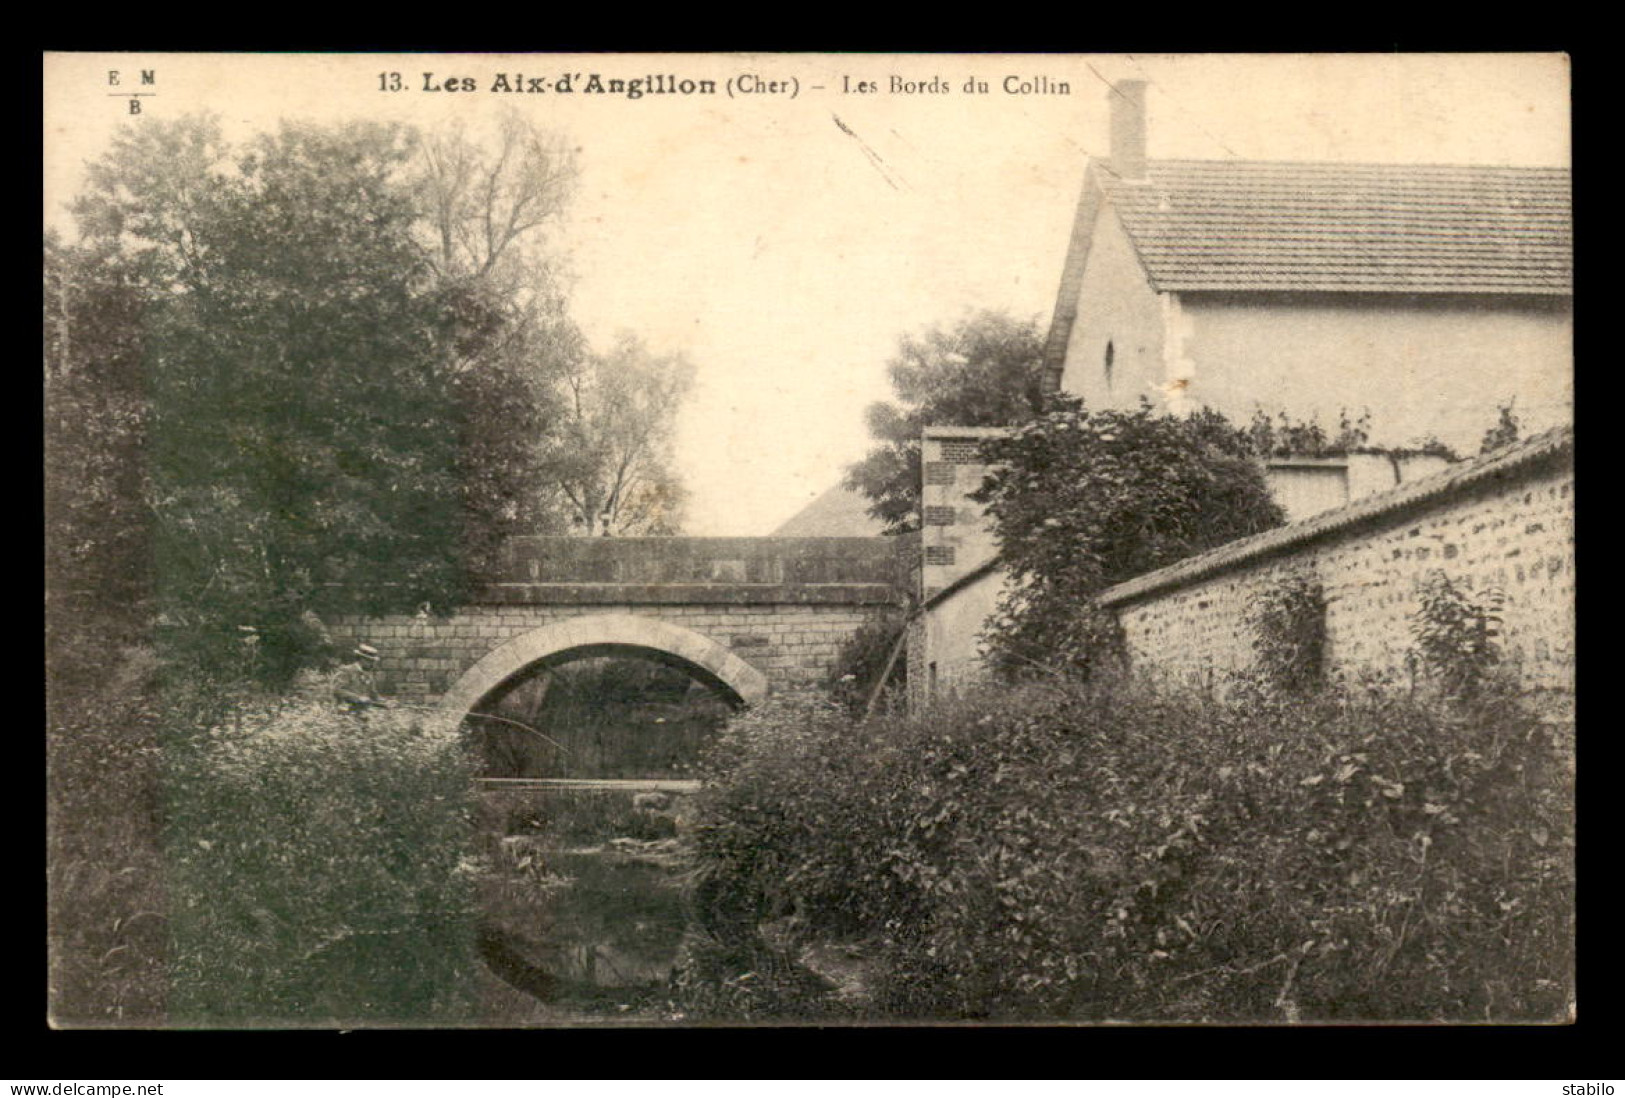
(955,534)
(1505,521)
(422,658)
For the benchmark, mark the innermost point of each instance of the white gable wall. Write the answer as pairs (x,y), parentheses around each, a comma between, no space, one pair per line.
(1424,367)
(1116,305)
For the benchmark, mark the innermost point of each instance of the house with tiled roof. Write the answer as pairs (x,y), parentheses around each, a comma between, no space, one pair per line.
(1426,295)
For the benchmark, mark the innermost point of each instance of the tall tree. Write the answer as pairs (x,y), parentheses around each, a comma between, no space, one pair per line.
(145,199)
(335,423)
(136,217)
(98,529)
(485,203)
(986,370)
(612,461)
(512,358)
(301,438)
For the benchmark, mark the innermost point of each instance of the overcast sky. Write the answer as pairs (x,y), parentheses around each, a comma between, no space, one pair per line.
(785,242)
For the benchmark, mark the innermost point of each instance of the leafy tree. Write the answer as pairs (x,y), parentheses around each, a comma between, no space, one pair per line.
(98,528)
(611,461)
(145,197)
(306,433)
(265,393)
(1081,500)
(984,371)
(510,355)
(136,217)
(337,417)
(486,202)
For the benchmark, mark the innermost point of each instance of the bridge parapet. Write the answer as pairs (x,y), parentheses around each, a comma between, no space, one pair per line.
(718,571)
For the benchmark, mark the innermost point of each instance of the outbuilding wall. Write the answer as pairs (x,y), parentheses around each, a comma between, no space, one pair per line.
(1505,521)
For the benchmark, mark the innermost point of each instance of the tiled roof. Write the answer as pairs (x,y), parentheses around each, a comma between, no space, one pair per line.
(1249,225)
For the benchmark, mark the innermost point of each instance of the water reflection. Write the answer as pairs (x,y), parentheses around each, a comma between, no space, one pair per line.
(587,894)
(620,923)
(583,895)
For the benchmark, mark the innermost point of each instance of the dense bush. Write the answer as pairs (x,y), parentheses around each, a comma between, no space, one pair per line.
(862,660)
(1084,499)
(108,914)
(1289,624)
(320,871)
(1108,853)
(1457,635)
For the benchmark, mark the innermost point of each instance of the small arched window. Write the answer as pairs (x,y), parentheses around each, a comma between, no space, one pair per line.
(1111,354)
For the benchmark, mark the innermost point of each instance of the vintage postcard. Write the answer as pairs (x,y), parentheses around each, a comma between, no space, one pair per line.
(692,539)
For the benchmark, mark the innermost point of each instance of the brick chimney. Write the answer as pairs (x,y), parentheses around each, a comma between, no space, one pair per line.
(1127,98)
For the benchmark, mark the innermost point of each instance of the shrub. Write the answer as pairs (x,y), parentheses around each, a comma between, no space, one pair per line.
(789,831)
(1067,852)
(1050,636)
(1286,437)
(1289,620)
(1084,499)
(105,882)
(745,981)
(1457,635)
(320,871)
(1507,430)
(862,660)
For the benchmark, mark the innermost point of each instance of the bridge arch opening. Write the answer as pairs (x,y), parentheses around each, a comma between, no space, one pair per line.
(605,635)
(618,923)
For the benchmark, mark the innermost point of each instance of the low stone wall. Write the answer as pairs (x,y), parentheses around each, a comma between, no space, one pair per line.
(1505,521)
(791,644)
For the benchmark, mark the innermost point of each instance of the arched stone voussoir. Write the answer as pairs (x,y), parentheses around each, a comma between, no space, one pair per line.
(634,631)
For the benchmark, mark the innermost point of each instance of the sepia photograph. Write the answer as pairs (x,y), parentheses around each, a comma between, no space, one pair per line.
(842,540)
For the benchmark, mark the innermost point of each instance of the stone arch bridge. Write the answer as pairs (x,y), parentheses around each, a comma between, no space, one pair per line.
(744,615)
